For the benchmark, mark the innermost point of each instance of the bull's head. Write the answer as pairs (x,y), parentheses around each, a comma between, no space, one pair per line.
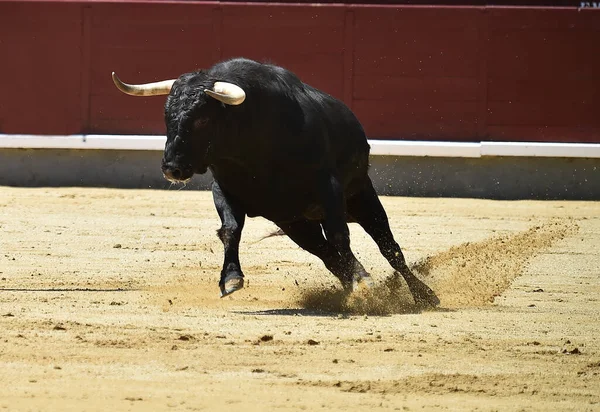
(191,111)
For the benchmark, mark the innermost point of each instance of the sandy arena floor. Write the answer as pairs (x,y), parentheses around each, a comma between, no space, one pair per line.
(109,301)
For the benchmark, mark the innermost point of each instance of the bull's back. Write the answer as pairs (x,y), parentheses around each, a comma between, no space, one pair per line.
(347,144)
(289,132)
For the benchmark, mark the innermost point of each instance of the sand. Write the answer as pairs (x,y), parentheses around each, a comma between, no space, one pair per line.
(109,301)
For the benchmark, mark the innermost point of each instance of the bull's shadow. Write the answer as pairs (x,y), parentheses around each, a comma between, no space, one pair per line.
(288,312)
(73,289)
(315,313)
(385,299)
(320,313)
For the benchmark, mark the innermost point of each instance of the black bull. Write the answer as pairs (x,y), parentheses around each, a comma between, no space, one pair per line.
(280,149)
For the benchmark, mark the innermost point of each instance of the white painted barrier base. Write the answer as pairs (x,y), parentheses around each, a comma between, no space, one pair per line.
(378,147)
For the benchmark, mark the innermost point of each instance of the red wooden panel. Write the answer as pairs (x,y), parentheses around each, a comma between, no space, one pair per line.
(140,66)
(538,18)
(588,18)
(129,126)
(251,17)
(425,52)
(543,69)
(307,40)
(544,134)
(40,45)
(322,71)
(167,42)
(154,15)
(111,107)
(418,69)
(348,56)
(406,41)
(416,18)
(544,54)
(412,72)
(418,119)
(302,40)
(533,90)
(454,89)
(417,42)
(543,114)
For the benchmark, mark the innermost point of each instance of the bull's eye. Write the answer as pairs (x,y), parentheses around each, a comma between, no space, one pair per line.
(200,123)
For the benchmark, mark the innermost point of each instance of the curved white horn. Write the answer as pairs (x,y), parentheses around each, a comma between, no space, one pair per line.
(227,93)
(148,89)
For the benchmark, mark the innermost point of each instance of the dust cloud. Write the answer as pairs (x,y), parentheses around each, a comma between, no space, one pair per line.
(467,275)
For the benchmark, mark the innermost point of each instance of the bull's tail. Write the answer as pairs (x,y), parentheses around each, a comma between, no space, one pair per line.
(277,232)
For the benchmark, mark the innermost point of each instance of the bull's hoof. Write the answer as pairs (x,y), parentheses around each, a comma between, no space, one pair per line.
(362,282)
(425,297)
(428,302)
(422,294)
(230,284)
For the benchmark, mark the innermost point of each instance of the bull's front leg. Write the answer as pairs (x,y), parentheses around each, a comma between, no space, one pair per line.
(230,233)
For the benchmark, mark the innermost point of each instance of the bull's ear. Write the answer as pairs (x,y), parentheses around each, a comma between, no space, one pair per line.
(227,93)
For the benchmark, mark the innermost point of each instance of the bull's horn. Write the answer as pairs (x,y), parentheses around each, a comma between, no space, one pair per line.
(227,93)
(148,89)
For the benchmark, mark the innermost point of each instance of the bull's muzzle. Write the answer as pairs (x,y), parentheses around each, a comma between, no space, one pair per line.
(175,173)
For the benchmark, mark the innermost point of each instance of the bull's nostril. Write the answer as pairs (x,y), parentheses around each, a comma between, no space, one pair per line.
(176,173)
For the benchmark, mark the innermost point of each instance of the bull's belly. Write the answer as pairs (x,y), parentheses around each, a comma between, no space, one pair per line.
(283,208)
(277,203)
(280,196)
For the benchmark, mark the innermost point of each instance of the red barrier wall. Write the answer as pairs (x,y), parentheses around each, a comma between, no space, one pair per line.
(409,72)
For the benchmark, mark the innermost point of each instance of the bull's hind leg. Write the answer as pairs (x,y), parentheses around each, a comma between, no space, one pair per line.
(230,233)
(336,229)
(368,211)
(309,236)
